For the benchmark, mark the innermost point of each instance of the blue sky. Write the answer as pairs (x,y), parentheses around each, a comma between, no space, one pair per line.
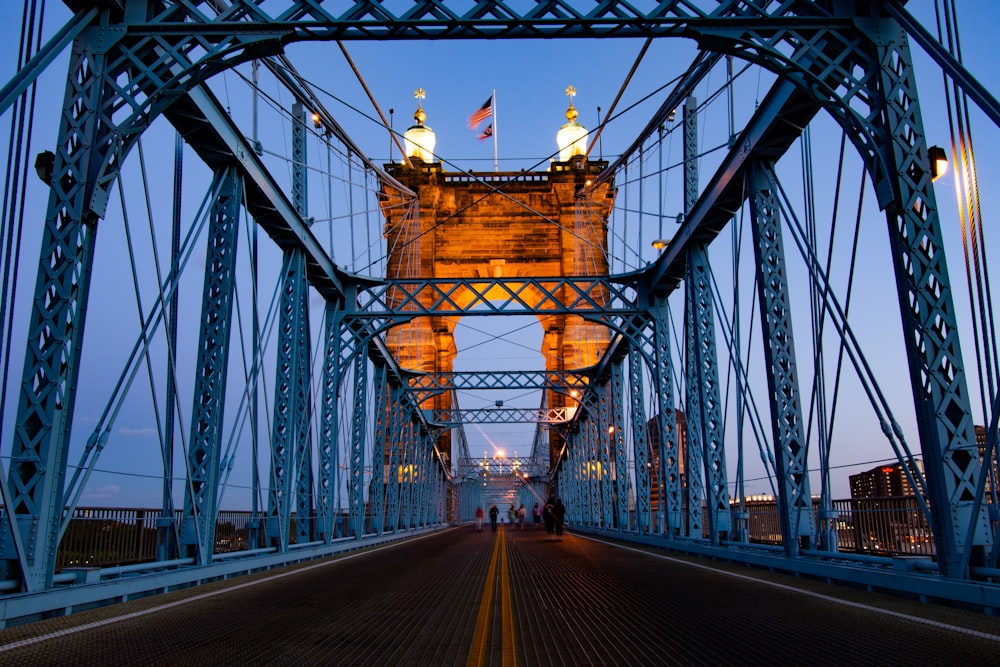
(530,78)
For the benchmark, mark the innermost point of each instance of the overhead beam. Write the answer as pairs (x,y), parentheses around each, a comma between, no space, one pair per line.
(209,130)
(777,123)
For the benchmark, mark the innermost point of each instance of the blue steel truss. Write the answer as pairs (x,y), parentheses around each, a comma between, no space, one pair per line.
(129,67)
(794,499)
(203,458)
(640,442)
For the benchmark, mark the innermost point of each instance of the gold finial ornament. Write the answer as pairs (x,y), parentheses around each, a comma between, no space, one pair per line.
(419,114)
(419,140)
(572,137)
(571,113)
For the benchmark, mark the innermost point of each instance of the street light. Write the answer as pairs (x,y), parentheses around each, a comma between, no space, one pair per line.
(939,162)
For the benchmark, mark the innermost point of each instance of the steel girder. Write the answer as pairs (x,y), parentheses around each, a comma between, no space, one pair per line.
(383,417)
(395,443)
(414,474)
(233,29)
(705,444)
(399,299)
(592,445)
(705,405)
(305,514)
(329,434)
(671,501)
(697,260)
(640,441)
(290,439)
(356,466)
(201,495)
(790,446)
(937,374)
(424,385)
(447,417)
(39,447)
(604,446)
(693,486)
(289,400)
(620,472)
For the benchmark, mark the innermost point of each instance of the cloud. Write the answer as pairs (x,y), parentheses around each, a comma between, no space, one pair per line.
(106,492)
(137,432)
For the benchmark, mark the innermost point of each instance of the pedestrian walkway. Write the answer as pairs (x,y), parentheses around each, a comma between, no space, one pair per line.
(462,597)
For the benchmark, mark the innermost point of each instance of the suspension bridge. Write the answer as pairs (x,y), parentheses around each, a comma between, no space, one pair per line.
(267,327)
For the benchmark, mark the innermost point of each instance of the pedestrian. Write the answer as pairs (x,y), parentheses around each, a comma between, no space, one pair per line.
(521,515)
(549,518)
(494,513)
(479,519)
(536,517)
(559,512)
(512,515)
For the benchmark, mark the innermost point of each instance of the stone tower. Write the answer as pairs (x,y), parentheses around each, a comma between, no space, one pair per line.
(506,225)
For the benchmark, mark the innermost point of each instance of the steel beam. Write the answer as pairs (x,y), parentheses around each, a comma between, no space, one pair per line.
(47,398)
(209,129)
(670,504)
(621,478)
(640,441)
(787,424)
(380,441)
(201,495)
(931,340)
(450,417)
(356,465)
(329,429)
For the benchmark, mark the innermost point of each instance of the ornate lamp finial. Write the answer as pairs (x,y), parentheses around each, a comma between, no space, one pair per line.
(419,114)
(571,113)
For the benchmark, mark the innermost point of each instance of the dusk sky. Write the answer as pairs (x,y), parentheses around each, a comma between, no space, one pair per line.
(530,79)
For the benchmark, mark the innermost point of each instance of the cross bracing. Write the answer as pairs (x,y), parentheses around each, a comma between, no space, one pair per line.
(128,67)
(500,416)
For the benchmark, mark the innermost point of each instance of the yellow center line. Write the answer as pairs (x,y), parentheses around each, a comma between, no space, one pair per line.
(477,652)
(509,655)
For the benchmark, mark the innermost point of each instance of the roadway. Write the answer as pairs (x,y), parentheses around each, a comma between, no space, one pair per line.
(459,597)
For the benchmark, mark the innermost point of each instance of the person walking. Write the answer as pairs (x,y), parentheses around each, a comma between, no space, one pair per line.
(494,513)
(521,515)
(549,518)
(512,515)
(479,519)
(536,517)
(559,513)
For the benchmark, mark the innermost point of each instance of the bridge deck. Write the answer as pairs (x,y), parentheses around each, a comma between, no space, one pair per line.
(512,598)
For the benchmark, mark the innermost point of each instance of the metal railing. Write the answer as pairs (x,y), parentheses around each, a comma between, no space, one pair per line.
(103,537)
(890,526)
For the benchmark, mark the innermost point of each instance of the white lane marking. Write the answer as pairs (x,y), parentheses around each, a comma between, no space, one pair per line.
(152,610)
(821,596)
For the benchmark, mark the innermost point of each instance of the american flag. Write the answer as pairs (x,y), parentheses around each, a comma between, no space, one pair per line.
(481,114)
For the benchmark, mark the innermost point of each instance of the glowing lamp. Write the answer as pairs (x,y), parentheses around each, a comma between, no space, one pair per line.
(939,162)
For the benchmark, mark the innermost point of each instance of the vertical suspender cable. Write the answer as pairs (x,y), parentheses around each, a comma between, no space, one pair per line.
(19,149)
(253,531)
(736,351)
(967,192)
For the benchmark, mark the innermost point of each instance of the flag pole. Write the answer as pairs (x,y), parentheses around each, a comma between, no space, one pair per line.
(496,164)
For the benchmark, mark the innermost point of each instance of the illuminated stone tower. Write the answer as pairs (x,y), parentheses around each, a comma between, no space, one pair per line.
(509,225)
